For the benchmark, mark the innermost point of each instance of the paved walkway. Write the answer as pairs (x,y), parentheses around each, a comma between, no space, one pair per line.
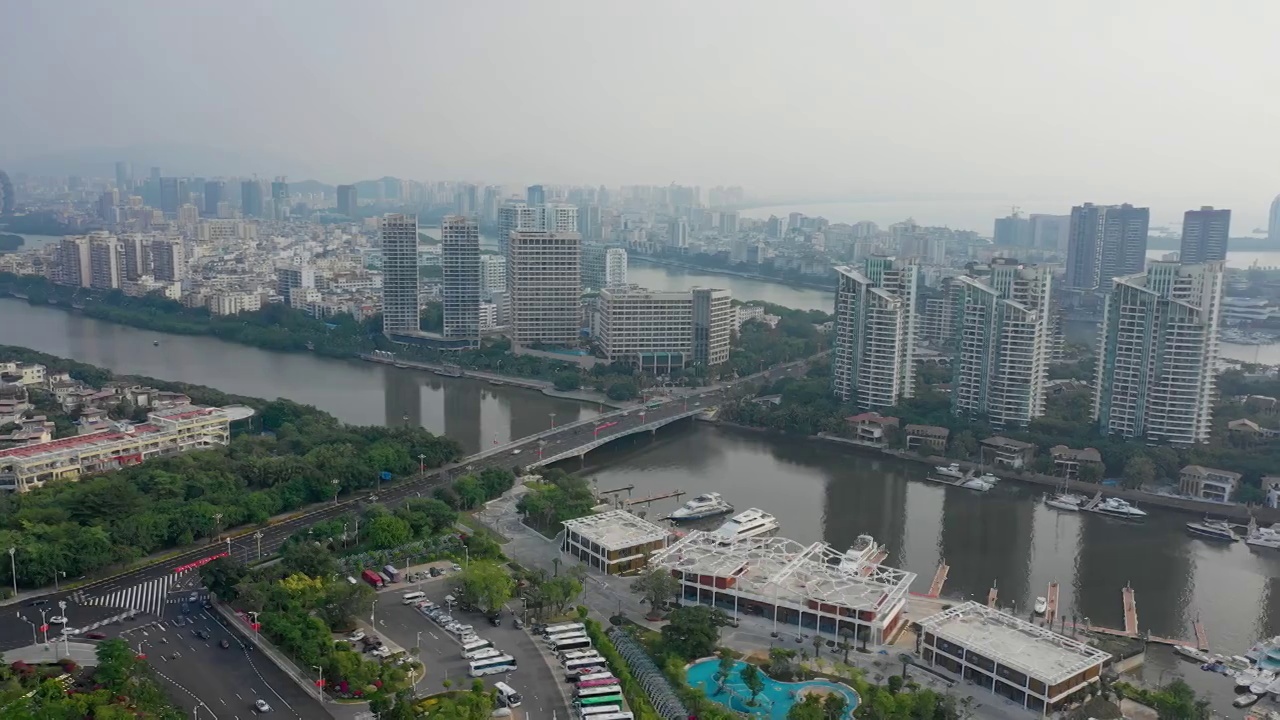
(83,653)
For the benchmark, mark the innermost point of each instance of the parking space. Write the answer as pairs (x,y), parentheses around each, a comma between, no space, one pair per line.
(538,678)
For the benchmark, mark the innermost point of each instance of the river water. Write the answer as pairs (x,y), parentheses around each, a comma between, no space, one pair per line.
(818,491)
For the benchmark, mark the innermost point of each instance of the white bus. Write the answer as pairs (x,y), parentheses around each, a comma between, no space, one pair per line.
(409,597)
(575,654)
(507,696)
(597,711)
(614,716)
(493,666)
(549,639)
(474,645)
(563,627)
(484,654)
(599,691)
(584,662)
(595,676)
(575,642)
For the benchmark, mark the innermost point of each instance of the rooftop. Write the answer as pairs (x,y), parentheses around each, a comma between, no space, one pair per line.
(616,529)
(1007,443)
(785,570)
(1014,643)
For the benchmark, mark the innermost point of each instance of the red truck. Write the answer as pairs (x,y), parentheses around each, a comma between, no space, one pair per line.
(372,578)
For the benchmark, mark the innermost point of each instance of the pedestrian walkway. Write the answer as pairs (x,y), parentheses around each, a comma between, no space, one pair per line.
(106,621)
(149,597)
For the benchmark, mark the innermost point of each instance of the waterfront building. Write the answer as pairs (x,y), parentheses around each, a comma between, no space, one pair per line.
(348,200)
(544,284)
(1002,343)
(1105,242)
(1204,235)
(1012,231)
(815,587)
(613,542)
(106,262)
(461,286)
(558,218)
(1068,461)
(678,233)
(873,363)
(661,331)
(932,438)
(1159,353)
(166,432)
(603,267)
(74,266)
(400,310)
(515,217)
(1031,666)
(233,303)
(1205,483)
(168,259)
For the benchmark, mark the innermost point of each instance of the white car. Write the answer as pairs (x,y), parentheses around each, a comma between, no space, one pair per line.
(58,620)
(356,636)
(381,652)
(261,706)
(461,630)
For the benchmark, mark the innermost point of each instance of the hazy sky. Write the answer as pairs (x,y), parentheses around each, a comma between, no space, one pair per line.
(1102,101)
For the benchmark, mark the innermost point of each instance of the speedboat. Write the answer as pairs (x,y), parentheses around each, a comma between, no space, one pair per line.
(952,471)
(1191,653)
(1263,537)
(1213,530)
(1116,507)
(1066,501)
(1245,700)
(1041,605)
(745,525)
(1266,654)
(701,507)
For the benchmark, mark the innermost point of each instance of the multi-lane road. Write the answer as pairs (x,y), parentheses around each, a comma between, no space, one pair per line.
(146,592)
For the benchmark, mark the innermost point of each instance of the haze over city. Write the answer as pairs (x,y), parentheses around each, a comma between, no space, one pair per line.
(1166,104)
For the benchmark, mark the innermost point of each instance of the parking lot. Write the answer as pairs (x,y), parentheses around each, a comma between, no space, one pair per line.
(223,682)
(538,678)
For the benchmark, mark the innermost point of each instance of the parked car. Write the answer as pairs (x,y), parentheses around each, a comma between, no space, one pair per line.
(96,635)
(356,636)
(517,623)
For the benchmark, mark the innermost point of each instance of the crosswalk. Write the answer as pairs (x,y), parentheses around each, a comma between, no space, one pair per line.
(148,597)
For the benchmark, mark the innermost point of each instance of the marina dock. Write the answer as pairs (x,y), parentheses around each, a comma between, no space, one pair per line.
(939,578)
(655,498)
(1202,638)
(1130,611)
(1051,602)
(991,597)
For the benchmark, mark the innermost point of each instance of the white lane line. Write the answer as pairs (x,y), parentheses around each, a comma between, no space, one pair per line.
(255,667)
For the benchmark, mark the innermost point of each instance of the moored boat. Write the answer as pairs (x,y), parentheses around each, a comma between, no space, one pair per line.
(748,524)
(1041,605)
(1069,502)
(1119,508)
(1213,530)
(949,471)
(703,506)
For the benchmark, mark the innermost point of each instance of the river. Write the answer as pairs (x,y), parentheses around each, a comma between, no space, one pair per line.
(818,491)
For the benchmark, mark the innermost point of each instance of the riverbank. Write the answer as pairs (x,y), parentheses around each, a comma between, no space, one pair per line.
(497,379)
(1235,512)
(733,273)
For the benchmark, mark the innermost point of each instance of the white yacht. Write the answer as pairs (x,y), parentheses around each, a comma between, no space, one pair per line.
(701,507)
(949,471)
(1191,653)
(1069,502)
(1213,530)
(982,483)
(865,551)
(1116,507)
(1267,537)
(747,524)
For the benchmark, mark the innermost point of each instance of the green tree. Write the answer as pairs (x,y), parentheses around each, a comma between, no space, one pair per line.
(622,390)
(486,585)
(1138,472)
(470,492)
(657,586)
(341,602)
(724,670)
(834,706)
(692,631)
(963,445)
(1090,472)
(754,681)
(388,531)
(810,708)
(222,576)
(567,380)
(307,558)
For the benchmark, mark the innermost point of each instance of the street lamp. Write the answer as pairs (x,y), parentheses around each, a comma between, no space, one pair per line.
(66,638)
(56,573)
(254,613)
(34,639)
(422,463)
(44,625)
(334,483)
(217,524)
(228,546)
(13,567)
(258,536)
(319,684)
(553,420)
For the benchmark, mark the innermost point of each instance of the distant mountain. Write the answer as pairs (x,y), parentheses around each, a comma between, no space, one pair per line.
(311,186)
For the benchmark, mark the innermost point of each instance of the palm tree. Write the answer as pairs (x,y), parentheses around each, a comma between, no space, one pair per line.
(817,646)
(847,635)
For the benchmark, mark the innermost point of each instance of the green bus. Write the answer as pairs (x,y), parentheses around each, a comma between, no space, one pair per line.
(615,698)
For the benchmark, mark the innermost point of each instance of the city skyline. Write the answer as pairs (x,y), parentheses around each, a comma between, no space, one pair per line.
(1059,146)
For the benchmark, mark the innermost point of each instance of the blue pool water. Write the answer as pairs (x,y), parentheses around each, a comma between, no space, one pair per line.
(773,703)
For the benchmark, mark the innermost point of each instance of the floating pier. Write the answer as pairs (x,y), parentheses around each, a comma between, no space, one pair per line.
(1202,638)
(939,578)
(991,597)
(1130,611)
(1051,602)
(655,498)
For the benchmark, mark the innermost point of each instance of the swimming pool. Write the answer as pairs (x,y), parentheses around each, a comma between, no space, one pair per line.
(774,702)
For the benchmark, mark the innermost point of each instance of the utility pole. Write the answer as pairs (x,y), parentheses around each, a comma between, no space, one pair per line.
(258,536)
